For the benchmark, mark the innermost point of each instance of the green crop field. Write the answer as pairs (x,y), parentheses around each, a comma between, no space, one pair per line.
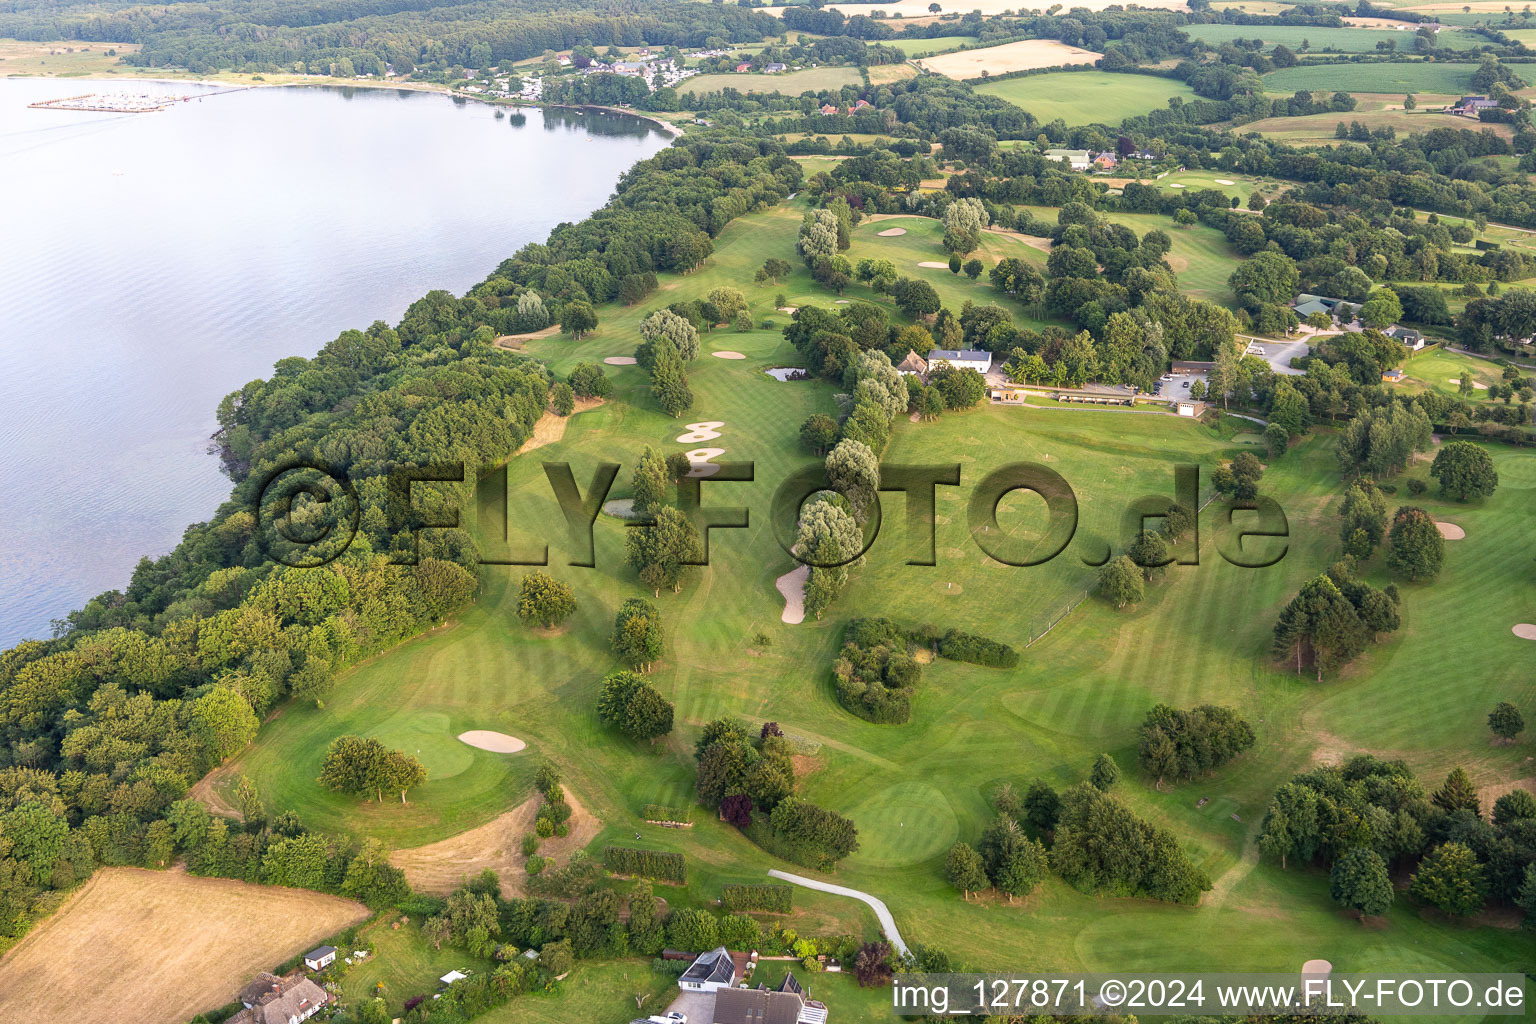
(1409,76)
(928,47)
(790,83)
(1320,129)
(1201,636)
(1324,40)
(1087,97)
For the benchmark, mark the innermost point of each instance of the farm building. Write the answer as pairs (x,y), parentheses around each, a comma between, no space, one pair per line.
(962,359)
(1305,305)
(320,959)
(711,972)
(1076,158)
(280,1001)
(1470,106)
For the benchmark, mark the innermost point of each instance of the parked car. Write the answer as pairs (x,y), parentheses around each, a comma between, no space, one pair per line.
(1258,350)
(1184,385)
(1166,376)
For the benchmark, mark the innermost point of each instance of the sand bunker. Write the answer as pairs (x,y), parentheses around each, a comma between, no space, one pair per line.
(620,360)
(1175,185)
(1225,181)
(497,742)
(701,431)
(782,373)
(620,508)
(789,309)
(791,587)
(889,232)
(728,355)
(1524,630)
(699,460)
(1475,385)
(934,265)
(1450,531)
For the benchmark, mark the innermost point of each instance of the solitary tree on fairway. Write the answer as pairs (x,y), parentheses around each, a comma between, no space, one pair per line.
(545,600)
(1359,882)
(1105,773)
(965,870)
(633,706)
(637,634)
(1506,721)
(1121,581)
(1464,471)
(1415,546)
(663,551)
(578,319)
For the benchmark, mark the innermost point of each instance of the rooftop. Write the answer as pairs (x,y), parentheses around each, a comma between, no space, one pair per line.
(966,354)
(714,966)
(757,1006)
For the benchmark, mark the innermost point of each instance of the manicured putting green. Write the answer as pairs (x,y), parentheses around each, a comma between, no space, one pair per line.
(904,824)
(426,736)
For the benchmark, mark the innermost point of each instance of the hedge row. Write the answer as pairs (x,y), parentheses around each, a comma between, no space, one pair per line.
(661,812)
(776,899)
(659,864)
(978,650)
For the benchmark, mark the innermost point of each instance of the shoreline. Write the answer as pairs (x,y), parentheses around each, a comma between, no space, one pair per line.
(675,131)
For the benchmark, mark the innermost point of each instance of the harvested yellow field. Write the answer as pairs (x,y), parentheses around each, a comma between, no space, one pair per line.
(159,947)
(988,8)
(1024,55)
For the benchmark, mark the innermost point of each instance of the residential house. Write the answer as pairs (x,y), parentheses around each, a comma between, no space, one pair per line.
(963,359)
(787,1004)
(1413,339)
(320,959)
(563,61)
(860,105)
(774,68)
(912,366)
(273,1000)
(710,972)
(632,68)
(1106,161)
(1077,159)
(828,110)
(743,67)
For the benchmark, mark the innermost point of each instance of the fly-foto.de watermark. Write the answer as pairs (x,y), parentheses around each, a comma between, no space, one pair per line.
(307,513)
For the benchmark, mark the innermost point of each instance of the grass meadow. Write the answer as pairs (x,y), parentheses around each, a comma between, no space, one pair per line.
(1087,97)
(926,47)
(1325,40)
(1201,636)
(1408,76)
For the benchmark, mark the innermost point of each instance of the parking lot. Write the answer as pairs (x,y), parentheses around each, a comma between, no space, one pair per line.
(1278,354)
(1174,389)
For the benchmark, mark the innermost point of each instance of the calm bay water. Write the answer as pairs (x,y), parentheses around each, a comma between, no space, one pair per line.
(152,263)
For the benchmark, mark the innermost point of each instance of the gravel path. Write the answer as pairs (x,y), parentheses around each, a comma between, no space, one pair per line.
(882,912)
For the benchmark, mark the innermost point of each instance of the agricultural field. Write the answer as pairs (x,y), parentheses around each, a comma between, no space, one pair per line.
(928,47)
(1200,636)
(1408,76)
(791,83)
(1267,7)
(60,60)
(1328,40)
(911,10)
(1319,129)
(1024,55)
(144,923)
(884,74)
(1087,97)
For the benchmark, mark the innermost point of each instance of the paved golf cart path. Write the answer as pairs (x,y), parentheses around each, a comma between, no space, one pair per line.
(882,912)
